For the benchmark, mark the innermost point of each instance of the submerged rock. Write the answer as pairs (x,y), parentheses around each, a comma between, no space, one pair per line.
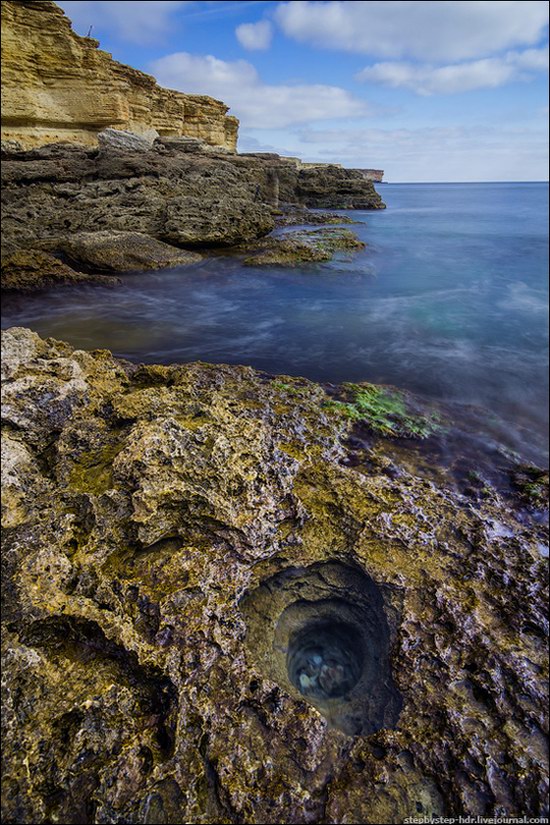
(177,542)
(308,245)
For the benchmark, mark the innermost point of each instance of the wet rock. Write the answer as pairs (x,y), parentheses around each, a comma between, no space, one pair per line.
(292,248)
(31,270)
(531,484)
(121,252)
(323,633)
(174,538)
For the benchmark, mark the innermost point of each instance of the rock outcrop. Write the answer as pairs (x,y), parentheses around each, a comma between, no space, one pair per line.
(32,270)
(57,86)
(230,598)
(167,171)
(372,174)
(303,246)
(112,252)
(53,194)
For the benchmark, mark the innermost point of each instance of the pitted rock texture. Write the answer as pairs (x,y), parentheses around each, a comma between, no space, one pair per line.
(143,506)
(186,199)
(121,252)
(322,632)
(57,86)
(303,246)
(53,192)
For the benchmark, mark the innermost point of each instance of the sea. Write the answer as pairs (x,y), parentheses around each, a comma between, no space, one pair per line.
(449,299)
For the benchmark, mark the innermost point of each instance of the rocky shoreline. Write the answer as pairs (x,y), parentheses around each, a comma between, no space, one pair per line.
(164,528)
(69,212)
(230,596)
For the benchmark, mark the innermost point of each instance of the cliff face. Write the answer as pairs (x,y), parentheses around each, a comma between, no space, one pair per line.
(57,86)
(372,174)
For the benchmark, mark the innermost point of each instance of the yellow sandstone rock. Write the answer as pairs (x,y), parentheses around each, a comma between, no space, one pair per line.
(59,86)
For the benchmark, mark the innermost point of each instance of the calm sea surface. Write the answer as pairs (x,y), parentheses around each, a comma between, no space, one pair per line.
(449,299)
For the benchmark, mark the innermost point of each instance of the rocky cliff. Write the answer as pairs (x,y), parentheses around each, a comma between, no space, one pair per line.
(57,86)
(236,598)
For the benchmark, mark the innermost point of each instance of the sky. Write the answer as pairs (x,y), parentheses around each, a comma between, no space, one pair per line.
(436,90)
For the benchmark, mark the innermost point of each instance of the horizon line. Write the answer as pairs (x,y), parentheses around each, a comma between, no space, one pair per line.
(457,182)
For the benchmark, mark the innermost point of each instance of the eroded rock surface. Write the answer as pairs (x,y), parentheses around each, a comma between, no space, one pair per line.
(56,191)
(147,510)
(186,199)
(121,252)
(31,270)
(303,246)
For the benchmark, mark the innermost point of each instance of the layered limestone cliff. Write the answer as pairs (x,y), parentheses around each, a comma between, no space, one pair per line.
(58,86)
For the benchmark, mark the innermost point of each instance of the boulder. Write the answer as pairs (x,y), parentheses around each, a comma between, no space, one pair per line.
(108,251)
(32,270)
(118,140)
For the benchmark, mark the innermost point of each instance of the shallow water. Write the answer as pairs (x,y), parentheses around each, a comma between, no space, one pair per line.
(449,299)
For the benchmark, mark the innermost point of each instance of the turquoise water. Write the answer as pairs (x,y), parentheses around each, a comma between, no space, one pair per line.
(449,299)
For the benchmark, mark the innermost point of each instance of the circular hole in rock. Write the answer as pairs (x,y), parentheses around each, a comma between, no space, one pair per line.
(325,659)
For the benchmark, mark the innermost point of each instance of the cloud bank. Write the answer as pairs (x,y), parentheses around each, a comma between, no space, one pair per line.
(440,31)
(461,77)
(256,103)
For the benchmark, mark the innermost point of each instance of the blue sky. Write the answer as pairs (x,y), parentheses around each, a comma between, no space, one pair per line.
(455,90)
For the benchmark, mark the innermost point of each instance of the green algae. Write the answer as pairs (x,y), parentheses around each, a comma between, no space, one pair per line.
(531,484)
(161,564)
(386,411)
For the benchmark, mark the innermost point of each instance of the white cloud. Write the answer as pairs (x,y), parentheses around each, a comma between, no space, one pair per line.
(257,104)
(255,35)
(141,21)
(450,30)
(460,77)
(452,153)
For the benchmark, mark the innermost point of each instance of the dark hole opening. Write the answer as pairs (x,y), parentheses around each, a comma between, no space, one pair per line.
(325,659)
